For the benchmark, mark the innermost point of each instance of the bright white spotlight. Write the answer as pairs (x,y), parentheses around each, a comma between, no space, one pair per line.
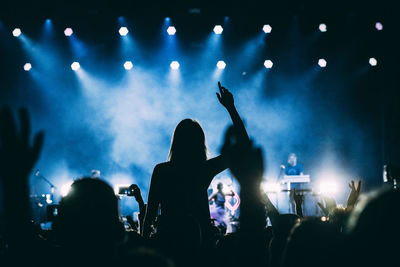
(221,65)
(322,63)
(128,65)
(171,30)
(218,29)
(123,31)
(268,64)
(174,65)
(322,27)
(48,199)
(327,187)
(270,187)
(379,26)
(68,32)
(373,61)
(16,32)
(66,188)
(75,66)
(267,28)
(27,66)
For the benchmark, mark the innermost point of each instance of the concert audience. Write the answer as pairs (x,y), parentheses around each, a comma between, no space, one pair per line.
(88,231)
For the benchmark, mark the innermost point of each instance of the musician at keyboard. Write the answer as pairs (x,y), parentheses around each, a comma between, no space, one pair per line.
(292,168)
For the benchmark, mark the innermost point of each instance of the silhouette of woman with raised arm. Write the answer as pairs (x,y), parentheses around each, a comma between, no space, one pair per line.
(179,186)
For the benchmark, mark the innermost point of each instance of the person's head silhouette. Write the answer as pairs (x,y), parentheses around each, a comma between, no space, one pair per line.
(89,216)
(188,143)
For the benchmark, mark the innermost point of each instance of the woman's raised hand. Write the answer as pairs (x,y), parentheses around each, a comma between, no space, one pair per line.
(225,97)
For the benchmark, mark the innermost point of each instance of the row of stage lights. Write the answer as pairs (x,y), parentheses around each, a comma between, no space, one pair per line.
(218,29)
(128,65)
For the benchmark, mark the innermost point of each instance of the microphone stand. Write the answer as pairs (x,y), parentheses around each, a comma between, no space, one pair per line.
(52,186)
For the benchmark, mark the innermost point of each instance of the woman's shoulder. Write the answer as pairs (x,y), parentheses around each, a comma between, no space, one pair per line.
(160,167)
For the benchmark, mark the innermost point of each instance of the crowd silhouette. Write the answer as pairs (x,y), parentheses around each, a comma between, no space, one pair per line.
(174,227)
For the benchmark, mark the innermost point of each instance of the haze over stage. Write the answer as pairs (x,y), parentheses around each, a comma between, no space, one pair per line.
(108,84)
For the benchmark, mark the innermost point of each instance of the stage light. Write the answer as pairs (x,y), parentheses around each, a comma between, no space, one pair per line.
(123,31)
(221,65)
(267,28)
(379,26)
(48,199)
(75,66)
(66,188)
(171,30)
(271,187)
(322,63)
(218,29)
(68,32)
(128,65)
(268,64)
(322,27)
(27,66)
(174,65)
(16,32)
(373,61)
(327,187)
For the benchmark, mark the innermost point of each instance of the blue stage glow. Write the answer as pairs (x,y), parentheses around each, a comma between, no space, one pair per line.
(121,122)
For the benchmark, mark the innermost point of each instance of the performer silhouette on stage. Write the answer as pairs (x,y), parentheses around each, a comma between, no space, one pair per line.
(292,168)
(218,212)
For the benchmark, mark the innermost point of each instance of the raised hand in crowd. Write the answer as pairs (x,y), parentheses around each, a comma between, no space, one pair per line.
(17,155)
(298,199)
(329,206)
(247,165)
(142,207)
(354,194)
(226,99)
(17,158)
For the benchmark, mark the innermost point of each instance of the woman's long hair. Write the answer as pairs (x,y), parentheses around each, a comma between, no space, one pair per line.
(188,143)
